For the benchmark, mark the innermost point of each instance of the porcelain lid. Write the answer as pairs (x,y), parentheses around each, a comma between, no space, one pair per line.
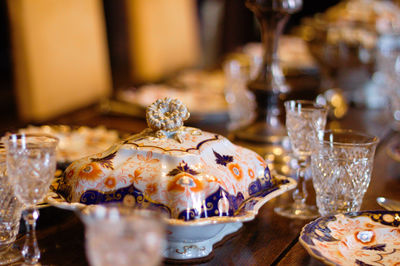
(187,172)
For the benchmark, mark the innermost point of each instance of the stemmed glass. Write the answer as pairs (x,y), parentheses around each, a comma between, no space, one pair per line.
(303,121)
(10,215)
(31,164)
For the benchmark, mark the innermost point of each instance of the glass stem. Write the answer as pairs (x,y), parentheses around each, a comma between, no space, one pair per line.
(30,251)
(300,193)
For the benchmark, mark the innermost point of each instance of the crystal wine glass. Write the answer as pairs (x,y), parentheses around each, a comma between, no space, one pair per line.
(10,215)
(303,121)
(31,164)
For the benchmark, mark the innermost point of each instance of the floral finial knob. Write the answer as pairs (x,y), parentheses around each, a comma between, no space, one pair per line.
(166,114)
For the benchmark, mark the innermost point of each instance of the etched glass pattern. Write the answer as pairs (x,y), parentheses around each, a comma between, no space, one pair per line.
(302,125)
(31,171)
(304,119)
(10,215)
(342,172)
(31,164)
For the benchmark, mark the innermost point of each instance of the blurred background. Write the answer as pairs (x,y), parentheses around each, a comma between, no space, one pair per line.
(57,56)
(212,28)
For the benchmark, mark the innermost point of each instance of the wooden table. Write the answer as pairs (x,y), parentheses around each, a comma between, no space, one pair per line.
(268,239)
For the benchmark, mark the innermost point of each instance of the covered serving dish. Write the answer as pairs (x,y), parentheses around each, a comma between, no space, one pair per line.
(205,184)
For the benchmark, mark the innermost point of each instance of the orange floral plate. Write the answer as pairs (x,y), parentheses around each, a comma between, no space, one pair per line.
(358,238)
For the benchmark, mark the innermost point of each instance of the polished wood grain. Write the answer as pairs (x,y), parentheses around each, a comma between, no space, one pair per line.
(268,239)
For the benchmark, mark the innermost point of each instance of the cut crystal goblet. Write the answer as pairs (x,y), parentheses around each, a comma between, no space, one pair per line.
(31,164)
(304,119)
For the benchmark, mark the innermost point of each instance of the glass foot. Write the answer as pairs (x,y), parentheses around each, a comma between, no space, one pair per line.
(305,212)
(10,255)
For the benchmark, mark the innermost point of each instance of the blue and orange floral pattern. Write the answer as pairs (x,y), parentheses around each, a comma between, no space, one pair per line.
(236,171)
(185,182)
(106,161)
(91,172)
(223,159)
(228,161)
(110,182)
(151,189)
(251,173)
(184,179)
(182,168)
(359,238)
(203,176)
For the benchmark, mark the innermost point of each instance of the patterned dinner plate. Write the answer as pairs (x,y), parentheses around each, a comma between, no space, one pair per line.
(358,238)
(76,142)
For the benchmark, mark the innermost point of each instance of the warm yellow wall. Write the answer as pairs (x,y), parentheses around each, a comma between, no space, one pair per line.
(60,55)
(163,36)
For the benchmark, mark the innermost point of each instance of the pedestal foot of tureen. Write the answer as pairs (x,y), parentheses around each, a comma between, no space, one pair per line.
(193,242)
